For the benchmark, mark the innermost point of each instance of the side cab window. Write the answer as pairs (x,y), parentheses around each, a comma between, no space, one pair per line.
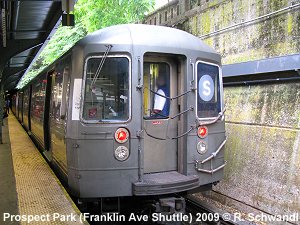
(156,90)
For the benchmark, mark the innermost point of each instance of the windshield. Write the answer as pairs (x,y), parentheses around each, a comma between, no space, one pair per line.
(208,97)
(106,96)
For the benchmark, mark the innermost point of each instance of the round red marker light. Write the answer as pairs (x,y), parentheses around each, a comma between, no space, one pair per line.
(121,135)
(202,132)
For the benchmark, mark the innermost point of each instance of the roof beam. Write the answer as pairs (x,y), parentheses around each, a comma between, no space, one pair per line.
(11,78)
(6,84)
(15,17)
(9,65)
(25,31)
(15,47)
(3,26)
(11,71)
(11,85)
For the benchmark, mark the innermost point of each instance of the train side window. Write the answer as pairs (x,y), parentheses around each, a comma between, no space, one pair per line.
(157,90)
(38,99)
(25,107)
(38,107)
(60,90)
(20,105)
(107,94)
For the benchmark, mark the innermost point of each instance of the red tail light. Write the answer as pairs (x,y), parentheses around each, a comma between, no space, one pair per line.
(202,132)
(121,135)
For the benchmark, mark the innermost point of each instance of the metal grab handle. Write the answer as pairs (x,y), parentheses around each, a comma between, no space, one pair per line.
(212,171)
(192,82)
(96,133)
(213,121)
(139,86)
(163,139)
(214,154)
(182,94)
(171,98)
(185,111)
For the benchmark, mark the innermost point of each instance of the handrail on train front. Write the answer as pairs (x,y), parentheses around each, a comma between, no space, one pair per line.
(221,114)
(182,112)
(213,170)
(213,155)
(171,98)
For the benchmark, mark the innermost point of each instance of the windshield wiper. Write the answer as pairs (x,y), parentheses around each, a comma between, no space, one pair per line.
(101,64)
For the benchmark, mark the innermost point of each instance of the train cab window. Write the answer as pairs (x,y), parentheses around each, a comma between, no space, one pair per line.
(208,93)
(157,90)
(107,93)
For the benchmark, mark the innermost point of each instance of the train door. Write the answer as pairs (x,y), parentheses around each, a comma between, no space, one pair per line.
(160,83)
(60,81)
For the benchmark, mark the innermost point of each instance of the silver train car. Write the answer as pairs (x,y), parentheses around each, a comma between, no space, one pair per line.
(94,114)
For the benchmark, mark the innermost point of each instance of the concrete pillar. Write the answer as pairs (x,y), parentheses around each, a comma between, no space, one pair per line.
(181,4)
(186,5)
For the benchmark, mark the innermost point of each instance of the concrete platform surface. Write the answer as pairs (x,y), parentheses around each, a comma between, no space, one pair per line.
(8,193)
(29,190)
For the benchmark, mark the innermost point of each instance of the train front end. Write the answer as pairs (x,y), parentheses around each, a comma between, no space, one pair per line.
(146,114)
(183,148)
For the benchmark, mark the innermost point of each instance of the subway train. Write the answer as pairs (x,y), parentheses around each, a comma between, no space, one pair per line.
(130,110)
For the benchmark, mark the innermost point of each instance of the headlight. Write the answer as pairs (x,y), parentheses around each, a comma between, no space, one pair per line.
(202,147)
(121,153)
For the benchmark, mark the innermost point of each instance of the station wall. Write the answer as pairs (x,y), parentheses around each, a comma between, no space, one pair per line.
(263,120)
(263,147)
(272,34)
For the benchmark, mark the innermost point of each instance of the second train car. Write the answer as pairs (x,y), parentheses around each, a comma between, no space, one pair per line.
(130,110)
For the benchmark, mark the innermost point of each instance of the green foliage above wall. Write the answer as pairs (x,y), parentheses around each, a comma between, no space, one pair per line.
(89,17)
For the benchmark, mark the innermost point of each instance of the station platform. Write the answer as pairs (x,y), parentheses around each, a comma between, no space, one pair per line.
(30,193)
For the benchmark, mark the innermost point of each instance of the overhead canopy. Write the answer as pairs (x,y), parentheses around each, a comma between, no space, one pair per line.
(25,27)
(270,65)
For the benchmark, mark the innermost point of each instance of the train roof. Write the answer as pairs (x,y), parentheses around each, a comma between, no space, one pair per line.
(147,35)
